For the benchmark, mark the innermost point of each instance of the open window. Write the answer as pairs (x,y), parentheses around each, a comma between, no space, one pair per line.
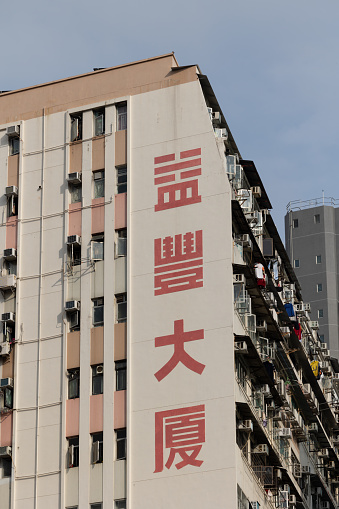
(97,448)
(97,247)
(76,127)
(99,184)
(121,179)
(121,116)
(98,312)
(99,122)
(121,243)
(73,452)
(73,383)
(14,146)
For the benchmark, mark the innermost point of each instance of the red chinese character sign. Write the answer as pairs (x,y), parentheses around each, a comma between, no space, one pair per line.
(178,340)
(172,192)
(178,263)
(182,432)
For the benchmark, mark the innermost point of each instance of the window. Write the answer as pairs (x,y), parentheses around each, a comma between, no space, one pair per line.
(121,375)
(73,452)
(97,379)
(76,192)
(98,312)
(121,177)
(6,398)
(5,467)
(317,218)
(320,313)
(322,338)
(97,247)
(99,184)
(74,254)
(73,383)
(296,264)
(295,223)
(121,443)
(318,259)
(97,447)
(74,321)
(12,205)
(121,117)
(121,243)
(121,307)
(120,504)
(99,122)
(76,127)
(96,506)
(319,287)
(14,146)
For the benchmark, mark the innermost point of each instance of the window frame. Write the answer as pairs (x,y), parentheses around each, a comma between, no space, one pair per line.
(121,179)
(120,302)
(76,136)
(117,505)
(121,444)
(73,189)
(99,241)
(296,223)
(319,287)
(121,116)
(121,375)
(97,304)
(75,451)
(100,112)
(318,260)
(320,313)
(73,376)
(97,437)
(121,243)
(14,145)
(316,218)
(296,263)
(98,179)
(95,378)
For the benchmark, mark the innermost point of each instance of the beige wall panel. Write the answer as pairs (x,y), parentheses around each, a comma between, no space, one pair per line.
(75,157)
(9,303)
(54,249)
(13,170)
(8,365)
(97,286)
(24,489)
(30,246)
(25,462)
(52,318)
(120,350)
(32,164)
(55,187)
(73,350)
(5,493)
(95,487)
(121,148)
(25,419)
(120,274)
(119,479)
(51,501)
(72,487)
(51,348)
(73,284)
(55,159)
(26,384)
(50,380)
(54,131)
(49,440)
(29,288)
(98,153)
(50,415)
(27,503)
(97,345)
(33,135)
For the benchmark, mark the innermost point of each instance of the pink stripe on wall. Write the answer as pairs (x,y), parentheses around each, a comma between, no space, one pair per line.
(120,211)
(74,222)
(98,215)
(6,429)
(11,232)
(72,417)
(119,409)
(96,413)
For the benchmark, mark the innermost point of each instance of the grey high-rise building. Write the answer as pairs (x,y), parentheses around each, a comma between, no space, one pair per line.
(312,242)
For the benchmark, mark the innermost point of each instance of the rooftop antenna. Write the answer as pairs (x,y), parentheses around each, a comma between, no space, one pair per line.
(323,198)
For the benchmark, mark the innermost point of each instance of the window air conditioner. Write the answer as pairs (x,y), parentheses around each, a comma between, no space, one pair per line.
(5,348)
(74,178)
(266,390)
(256,191)
(74,239)
(240,347)
(255,505)
(281,389)
(297,470)
(299,307)
(285,433)
(323,346)
(278,416)
(252,217)
(6,382)
(292,499)
(221,132)
(307,307)
(261,325)
(261,449)
(6,452)
(313,427)
(99,369)
(216,117)
(72,305)
(11,191)
(8,317)
(336,376)
(324,504)
(10,254)
(239,278)
(246,240)
(324,453)
(13,131)
(306,469)
(285,330)
(314,324)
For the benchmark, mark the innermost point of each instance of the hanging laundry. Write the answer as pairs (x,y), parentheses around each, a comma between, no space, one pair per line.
(297,330)
(260,275)
(289,309)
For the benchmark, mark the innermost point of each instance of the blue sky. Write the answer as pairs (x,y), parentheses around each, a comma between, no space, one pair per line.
(274,67)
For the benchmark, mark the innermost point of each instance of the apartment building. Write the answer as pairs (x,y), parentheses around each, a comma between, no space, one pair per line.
(312,233)
(155,351)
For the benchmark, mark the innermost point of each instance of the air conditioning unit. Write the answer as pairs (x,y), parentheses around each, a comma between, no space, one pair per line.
(11,191)
(324,366)
(313,427)
(278,416)
(255,505)
(331,465)
(245,239)
(239,278)
(266,390)
(6,452)
(307,307)
(324,453)
(216,117)
(13,131)
(74,178)
(306,469)
(299,307)
(324,504)
(297,470)
(74,239)
(253,217)
(292,499)
(285,330)
(6,382)
(314,324)
(262,449)
(72,305)
(221,132)
(99,369)
(5,348)
(281,389)
(261,325)
(285,433)
(323,346)
(256,191)
(240,347)
(8,317)
(10,254)
(279,474)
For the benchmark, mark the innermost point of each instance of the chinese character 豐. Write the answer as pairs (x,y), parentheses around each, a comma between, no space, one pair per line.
(182,432)
(172,193)
(178,263)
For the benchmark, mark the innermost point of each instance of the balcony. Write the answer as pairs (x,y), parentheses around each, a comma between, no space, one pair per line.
(7,282)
